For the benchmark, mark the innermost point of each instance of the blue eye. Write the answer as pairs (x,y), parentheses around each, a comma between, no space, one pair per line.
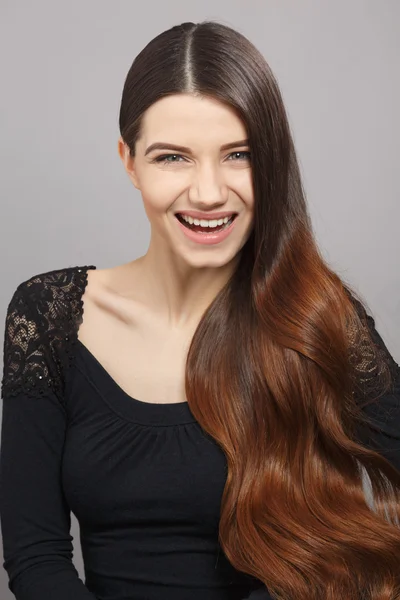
(240,152)
(163,158)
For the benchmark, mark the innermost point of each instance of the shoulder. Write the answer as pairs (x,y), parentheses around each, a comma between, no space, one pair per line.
(375,370)
(47,301)
(67,283)
(42,316)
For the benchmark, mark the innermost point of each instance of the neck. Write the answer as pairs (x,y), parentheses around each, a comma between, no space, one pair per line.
(176,292)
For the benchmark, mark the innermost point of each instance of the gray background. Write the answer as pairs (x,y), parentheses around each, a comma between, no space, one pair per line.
(65,198)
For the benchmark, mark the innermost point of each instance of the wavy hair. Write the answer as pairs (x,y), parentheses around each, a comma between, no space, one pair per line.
(293,361)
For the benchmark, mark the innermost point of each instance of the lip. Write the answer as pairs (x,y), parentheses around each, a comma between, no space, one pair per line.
(207,216)
(213,237)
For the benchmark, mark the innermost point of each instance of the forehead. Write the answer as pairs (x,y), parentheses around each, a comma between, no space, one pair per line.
(187,116)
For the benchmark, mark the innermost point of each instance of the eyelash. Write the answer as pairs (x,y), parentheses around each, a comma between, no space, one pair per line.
(162,158)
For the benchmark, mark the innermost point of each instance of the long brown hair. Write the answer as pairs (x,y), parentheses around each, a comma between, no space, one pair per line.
(292,362)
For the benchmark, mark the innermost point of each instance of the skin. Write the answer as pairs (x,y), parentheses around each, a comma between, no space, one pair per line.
(140,317)
(177,278)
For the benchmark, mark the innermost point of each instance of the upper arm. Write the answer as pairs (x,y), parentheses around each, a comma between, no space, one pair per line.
(382,431)
(35,518)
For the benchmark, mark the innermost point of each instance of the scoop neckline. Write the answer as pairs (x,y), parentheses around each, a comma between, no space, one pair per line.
(133,409)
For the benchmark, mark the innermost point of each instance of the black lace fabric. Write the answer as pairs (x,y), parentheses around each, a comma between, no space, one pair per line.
(42,319)
(45,312)
(42,322)
(375,372)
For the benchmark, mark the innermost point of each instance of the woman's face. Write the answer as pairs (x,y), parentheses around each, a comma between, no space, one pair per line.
(201,180)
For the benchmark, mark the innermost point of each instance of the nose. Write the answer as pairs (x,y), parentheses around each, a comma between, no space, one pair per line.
(208,189)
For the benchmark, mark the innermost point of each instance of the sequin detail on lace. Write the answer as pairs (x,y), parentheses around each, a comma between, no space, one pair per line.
(42,320)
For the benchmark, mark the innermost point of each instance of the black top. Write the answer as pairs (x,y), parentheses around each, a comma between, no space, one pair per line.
(144,480)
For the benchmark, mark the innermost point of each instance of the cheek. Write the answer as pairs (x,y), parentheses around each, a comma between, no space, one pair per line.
(156,201)
(246,195)
(243,186)
(154,205)
(159,190)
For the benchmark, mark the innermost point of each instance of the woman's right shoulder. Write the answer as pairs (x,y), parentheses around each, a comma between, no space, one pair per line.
(41,320)
(47,293)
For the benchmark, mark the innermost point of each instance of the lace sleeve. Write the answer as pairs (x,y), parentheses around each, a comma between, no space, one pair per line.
(34,514)
(30,362)
(41,326)
(377,390)
(374,369)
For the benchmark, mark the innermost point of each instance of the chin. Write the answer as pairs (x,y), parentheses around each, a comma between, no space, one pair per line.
(214,260)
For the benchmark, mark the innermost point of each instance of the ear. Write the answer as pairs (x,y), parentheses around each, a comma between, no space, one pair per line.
(128,162)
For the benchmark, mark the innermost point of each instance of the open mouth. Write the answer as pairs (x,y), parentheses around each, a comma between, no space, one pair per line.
(211,226)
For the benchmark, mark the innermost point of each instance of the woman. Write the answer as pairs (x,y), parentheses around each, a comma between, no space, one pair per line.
(212,419)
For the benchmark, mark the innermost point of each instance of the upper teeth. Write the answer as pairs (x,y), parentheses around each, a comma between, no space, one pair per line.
(204,223)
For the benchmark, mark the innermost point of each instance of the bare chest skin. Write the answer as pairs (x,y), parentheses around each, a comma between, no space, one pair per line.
(144,358)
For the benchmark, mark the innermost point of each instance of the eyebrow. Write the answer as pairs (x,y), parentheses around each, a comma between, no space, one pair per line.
(168,146)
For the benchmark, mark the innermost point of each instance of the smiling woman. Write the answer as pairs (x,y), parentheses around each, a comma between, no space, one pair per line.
(209,410)
(210,179)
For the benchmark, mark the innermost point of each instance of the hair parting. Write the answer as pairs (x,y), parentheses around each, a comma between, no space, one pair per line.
(293,360)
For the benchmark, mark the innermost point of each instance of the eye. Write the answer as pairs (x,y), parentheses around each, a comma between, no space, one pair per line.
(241,152)
(164,158)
